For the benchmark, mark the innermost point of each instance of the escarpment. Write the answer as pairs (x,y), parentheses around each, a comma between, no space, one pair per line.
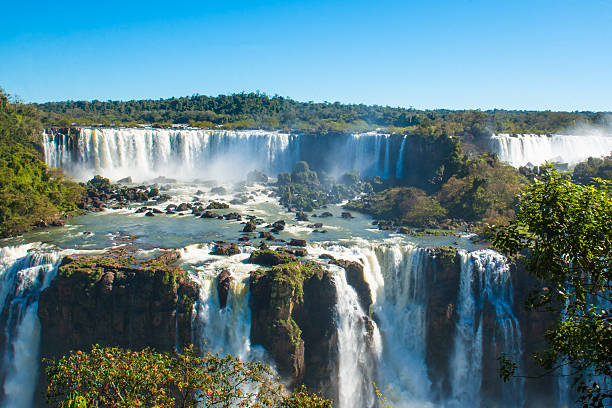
(117,299)
(292,316)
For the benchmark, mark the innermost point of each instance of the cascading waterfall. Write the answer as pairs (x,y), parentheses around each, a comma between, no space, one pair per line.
(357,349)
(401,309)
(185,154)
(399,169)
(397,275)
(520,150)
(485,278)
(364,152)
(24,273)
(225,330)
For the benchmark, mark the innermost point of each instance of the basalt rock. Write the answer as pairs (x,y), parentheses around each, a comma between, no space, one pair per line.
(117,299)
(356,278)
(292,317)
(297,242)
(268,257)
(223,248)
(249,227)
(224,281)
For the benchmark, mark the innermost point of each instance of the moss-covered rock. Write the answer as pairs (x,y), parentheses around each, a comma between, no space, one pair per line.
(292,316)
(117,299)
(269,257)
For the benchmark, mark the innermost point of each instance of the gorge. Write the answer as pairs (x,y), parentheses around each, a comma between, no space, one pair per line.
(425,318)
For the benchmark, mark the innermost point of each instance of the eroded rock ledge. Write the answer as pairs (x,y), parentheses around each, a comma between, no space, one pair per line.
(117,299)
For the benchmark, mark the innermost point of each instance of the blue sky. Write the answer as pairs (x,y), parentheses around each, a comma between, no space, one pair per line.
(428,54)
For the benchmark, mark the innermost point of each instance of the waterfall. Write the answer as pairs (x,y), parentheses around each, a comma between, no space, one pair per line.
(224,330)
(520,150)
(399,169)
(401,309)
(186,154)
(24,274)
(387,172)
(485,281)
(357,349)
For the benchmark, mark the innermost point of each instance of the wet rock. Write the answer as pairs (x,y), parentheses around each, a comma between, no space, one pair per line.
(224,281)
(182,207)
(300,216)
(297,242)
(249,227)
(347,215)
(223,248)
(244,239)
(156,211)
(233,216)
(125,180)
(326,256)
(141,210)
(326,214)
(356,278)
(208,214)
(149,214)
(267,235)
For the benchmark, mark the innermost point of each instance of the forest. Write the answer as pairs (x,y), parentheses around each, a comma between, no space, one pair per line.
(257,110)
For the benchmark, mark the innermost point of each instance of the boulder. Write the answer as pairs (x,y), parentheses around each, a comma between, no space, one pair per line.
(249,227)
(224,281)
(226,249)
(297,242)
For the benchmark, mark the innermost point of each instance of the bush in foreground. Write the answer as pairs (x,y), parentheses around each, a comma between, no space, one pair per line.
(113,377)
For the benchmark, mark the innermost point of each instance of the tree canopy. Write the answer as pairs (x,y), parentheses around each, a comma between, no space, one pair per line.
(114,377)
(564,231)
(257,110)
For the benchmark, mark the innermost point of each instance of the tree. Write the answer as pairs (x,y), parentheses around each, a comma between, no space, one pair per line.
(113,377)
(564,231)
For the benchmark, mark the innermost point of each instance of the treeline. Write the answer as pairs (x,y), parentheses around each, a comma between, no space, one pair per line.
(31,194)
(256,110)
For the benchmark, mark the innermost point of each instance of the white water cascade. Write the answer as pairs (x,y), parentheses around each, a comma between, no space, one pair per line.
(520,150)
(364,152)
(395,356)
(24,273)
(485,282)
(223,330)
(399,169)
(185,154)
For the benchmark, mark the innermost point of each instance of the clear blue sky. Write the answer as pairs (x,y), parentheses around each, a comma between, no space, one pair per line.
(427,54)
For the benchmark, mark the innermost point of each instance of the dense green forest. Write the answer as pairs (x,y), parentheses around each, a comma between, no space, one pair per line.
(256,110)
(30,193)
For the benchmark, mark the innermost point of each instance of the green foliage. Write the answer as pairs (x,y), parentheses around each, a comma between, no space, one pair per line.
(585,172)
(486,192)
(480,189)
(113,377)
(30,193)
(256,110)
(405,205)
(566,232)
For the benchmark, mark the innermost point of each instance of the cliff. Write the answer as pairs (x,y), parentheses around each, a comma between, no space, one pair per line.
(117,299)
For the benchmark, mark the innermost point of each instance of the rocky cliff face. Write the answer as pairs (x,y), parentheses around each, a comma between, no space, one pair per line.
(443,274)
(292,316)
(115,299)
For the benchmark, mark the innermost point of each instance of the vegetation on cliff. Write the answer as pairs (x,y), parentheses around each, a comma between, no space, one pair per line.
(30,193)
(565,231)
(255,110)
(482,190)
(594,167)
(114,377)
